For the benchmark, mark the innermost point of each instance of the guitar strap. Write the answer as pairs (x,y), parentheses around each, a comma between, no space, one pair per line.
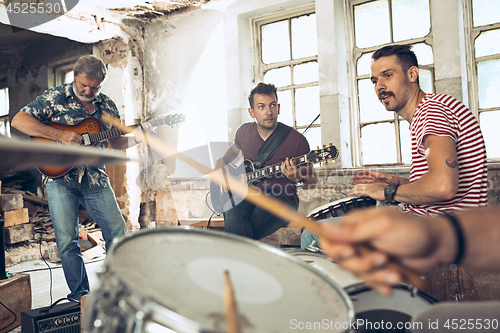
(272,144)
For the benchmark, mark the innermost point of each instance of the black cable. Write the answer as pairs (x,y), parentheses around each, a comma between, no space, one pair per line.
(213,211)
(56,302)
(15,316)
(308,127)
(56,267)
(41,237)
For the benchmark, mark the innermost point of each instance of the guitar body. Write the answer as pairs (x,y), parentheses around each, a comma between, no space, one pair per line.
(89,125)
(222,199)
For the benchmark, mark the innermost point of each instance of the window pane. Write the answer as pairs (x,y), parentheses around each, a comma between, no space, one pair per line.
(418,26)
(488,77)
(366,17)
(487,43)
(423,53)
(4,102)
(305,73)
(378,144)
(370,108)
(307,105)
(304,36)
(425,79)
(68,77)
(364,63)
(313,136)
(285,101)
(485,12)
(275,42)
(280,77)
(404,133)
(489,126)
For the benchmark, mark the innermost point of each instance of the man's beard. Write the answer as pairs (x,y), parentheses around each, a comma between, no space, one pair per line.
(83,97)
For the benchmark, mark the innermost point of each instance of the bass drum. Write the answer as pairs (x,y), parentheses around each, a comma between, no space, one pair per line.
(172,279)
(341,207)
(378,313)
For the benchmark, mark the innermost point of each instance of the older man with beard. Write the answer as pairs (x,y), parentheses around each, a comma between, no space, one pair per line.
(69,104)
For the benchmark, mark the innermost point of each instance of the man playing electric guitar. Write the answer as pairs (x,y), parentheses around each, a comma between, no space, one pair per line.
(69,104)
(246,219)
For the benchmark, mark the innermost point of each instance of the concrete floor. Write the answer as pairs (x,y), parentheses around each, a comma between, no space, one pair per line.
(41,288)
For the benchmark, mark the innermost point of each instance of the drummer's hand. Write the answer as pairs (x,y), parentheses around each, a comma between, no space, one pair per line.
(410,240)
(290,170)
(372,177)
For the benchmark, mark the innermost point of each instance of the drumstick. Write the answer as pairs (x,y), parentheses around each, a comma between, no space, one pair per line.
(232,322)
(269,203)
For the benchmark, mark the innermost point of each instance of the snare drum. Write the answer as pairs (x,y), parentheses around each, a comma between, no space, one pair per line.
(326,266)
(378,313)
(341,207)
(173,278)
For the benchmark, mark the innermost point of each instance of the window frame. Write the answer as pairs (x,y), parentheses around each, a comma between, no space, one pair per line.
(5,119)
(472,33)
(260,68)
(356,54)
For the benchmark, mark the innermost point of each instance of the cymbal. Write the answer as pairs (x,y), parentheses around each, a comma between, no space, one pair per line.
(22,154)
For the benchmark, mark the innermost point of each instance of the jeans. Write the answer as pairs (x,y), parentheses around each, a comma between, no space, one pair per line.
(101,204)
(308,238)
(248,220)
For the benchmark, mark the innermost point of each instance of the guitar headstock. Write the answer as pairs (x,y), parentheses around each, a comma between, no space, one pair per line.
(323,155)
(173,119)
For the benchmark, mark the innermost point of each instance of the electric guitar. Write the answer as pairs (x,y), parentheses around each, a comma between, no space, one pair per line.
(223,200)
(91,131)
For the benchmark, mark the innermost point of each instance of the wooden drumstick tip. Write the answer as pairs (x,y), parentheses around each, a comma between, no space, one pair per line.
(230,307)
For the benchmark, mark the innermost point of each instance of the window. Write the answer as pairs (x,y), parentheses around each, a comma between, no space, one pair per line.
(4,112)
(287,51)
(485,33)
(384,138)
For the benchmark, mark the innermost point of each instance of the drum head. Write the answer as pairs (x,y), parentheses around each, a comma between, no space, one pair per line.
(182,271)
(326,266)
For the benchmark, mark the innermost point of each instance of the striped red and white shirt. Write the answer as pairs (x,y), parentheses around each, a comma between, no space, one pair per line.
(443,115)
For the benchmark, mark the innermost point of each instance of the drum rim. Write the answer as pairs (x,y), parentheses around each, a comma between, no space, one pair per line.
(357,288)
(346,199)
(110,267)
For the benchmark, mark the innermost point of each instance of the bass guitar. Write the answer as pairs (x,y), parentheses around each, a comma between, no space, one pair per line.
(91,131)
(223,200)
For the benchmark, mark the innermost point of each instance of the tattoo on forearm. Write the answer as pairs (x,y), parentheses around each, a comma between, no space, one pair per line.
(452,165)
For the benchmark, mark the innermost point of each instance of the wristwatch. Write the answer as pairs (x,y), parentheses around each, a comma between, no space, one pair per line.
(300,182)
(390,192)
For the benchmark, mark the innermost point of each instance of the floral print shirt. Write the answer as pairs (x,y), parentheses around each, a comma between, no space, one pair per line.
(59,105)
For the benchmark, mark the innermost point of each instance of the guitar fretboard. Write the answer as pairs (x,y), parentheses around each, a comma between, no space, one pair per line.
(272,169)
(115,132)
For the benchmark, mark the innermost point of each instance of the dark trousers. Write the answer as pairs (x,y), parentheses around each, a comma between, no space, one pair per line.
(248,220)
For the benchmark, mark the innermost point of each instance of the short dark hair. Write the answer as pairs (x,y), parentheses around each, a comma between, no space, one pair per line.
(91,66)
(262,89)
(405,55)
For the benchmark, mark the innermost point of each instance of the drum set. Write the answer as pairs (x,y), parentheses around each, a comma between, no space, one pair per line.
(172,280)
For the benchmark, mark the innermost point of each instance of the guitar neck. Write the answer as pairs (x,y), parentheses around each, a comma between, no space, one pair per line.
(105,135)
(273,169)
(115,132)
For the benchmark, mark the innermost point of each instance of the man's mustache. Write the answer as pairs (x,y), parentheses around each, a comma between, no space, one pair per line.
(386,93)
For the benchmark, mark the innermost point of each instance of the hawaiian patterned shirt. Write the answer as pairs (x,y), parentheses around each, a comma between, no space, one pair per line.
(59,105)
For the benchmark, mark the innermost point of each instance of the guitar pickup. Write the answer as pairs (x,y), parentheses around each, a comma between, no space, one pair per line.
(86,139)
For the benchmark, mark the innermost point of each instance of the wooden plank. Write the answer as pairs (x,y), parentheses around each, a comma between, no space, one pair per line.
(215,223)
(15,293)
(11,202)
(16,217)
(18,233)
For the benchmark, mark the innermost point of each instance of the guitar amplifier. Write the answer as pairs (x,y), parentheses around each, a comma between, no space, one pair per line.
(62,318)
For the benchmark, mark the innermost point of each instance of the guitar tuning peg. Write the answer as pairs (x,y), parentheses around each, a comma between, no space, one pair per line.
(330,144)
(324,146)
(318,147)
(326,162)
